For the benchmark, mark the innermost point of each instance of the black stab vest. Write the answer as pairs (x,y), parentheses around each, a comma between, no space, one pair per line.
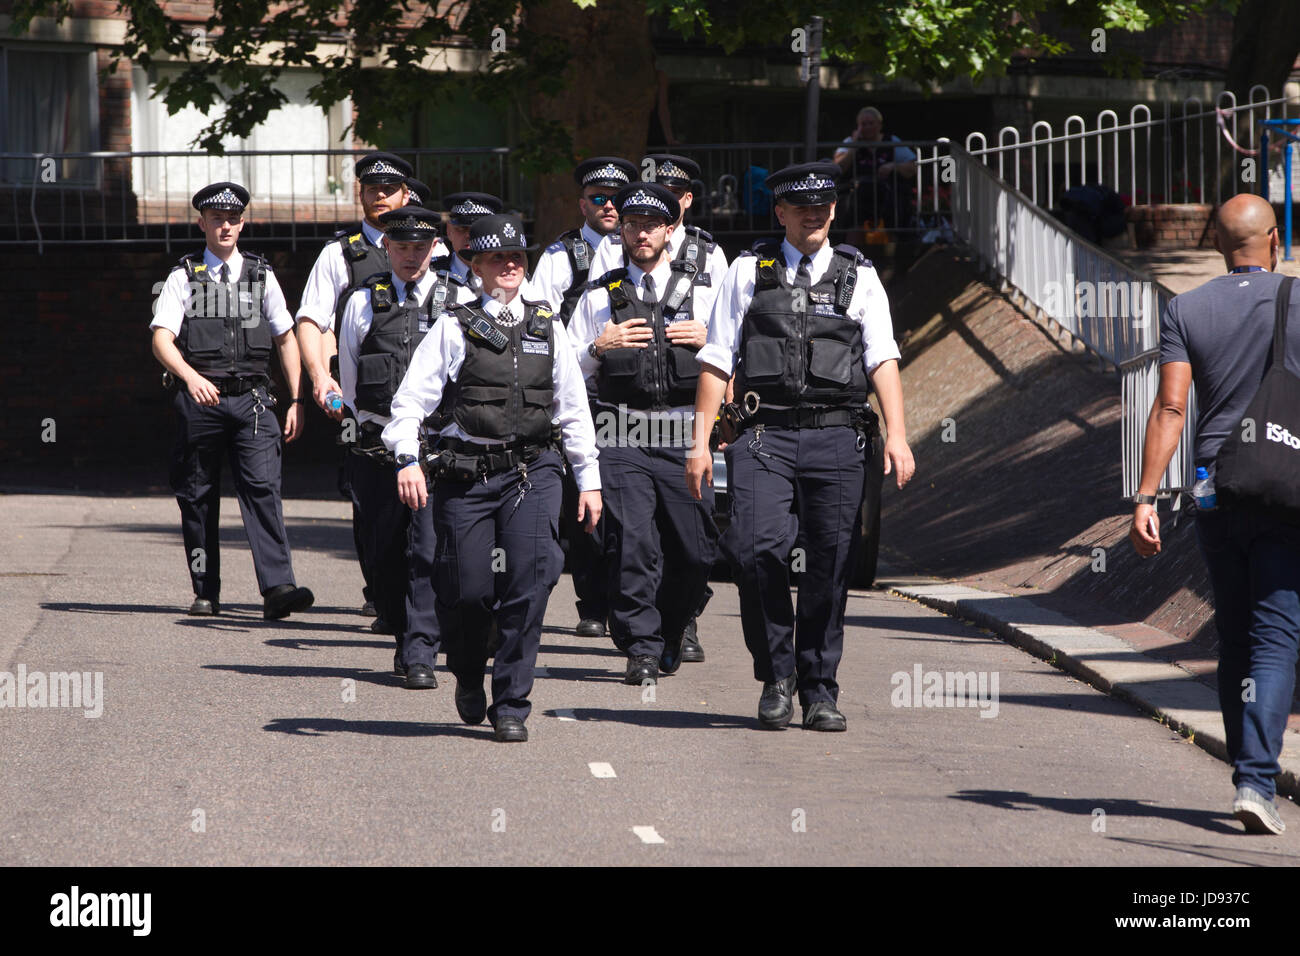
(390,342)
(580,255)
(225,332)
(363,260)
(506,384)
(661,375)
(807,357)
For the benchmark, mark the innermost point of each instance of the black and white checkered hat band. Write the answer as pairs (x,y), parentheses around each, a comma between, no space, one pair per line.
(492,241)
(226,197)
(808,184)
(608,171)
(470,209)
(410,222)
(381,168)
(644,200)
(670,171)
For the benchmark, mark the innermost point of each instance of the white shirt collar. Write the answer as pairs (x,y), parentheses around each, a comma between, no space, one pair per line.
(494,306)
(820,258)
(421,287)
(374,236)
(661,274)
(592,236)
(236,263)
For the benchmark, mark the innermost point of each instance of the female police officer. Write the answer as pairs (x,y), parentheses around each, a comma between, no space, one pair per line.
(499,371)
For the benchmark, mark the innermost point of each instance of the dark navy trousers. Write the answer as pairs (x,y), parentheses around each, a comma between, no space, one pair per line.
(496,549)
(660,543)
(813,475)
(244,429)
(397,544)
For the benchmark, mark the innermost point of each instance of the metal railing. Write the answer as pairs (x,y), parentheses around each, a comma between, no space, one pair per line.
(1178,157)
(107,197)
(1111,307)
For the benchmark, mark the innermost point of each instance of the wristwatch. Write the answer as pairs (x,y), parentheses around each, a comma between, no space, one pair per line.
(591,350)
(404,460)
(1144,499)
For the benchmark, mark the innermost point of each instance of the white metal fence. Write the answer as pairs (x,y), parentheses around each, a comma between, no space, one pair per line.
(1108,305)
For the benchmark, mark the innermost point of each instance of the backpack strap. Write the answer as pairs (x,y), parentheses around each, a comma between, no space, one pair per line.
(1281,308)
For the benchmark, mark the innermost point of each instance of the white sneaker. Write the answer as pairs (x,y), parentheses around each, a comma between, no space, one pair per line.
(1257,813)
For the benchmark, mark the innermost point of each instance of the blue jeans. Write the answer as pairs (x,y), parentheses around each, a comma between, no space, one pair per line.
(1254,564)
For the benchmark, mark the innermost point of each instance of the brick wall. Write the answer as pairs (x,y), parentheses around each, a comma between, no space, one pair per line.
(74,347)
(1160,226)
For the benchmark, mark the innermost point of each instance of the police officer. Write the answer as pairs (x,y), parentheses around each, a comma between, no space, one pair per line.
(677,174)
(219,313)
(383,322)
(346,261)
(502,370)
(463,210)
(561,277)
(638,331)
(806,329)
(420,194)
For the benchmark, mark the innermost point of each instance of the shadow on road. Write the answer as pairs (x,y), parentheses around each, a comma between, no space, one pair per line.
(660,718)
(383,678)
(1243,856)
(319,726)
(305,643)
(1211,820)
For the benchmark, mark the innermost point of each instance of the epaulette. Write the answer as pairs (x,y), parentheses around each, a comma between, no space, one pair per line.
(703,234)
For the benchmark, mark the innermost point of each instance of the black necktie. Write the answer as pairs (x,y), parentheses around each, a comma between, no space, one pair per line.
(648,283)
(407,289)
(803,277)
(225,272)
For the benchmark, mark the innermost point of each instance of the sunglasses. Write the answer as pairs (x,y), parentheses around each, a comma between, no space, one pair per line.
(600,199)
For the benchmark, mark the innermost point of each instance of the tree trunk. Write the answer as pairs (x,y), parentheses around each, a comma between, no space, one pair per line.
(1265,44)
(607,99)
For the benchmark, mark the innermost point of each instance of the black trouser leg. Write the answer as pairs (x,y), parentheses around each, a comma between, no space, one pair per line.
(254,445)
(196,481)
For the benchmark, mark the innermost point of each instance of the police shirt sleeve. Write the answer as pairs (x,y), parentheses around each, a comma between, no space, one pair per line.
(172,303)
(274,308)
(570,409)
(328,279)
(553,275)
(436,359)
(870,306)
(352,329)
(608,255)
(589,317)
(733,298)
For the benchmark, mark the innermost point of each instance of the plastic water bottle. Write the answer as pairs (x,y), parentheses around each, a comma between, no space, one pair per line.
(1203,491)
(334,401)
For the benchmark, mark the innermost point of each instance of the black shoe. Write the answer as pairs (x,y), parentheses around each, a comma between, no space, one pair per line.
(368,609)
(692,653)
(202,607)
(471,703)
(380,626)
(509,730)
(590,627)
(283,599)
(823,715)
(420,677)
(641,669)
(776,705)
(398,667)
(671,657)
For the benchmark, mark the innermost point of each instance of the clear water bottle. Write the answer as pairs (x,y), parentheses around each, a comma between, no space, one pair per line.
(334,401)
(1203,491)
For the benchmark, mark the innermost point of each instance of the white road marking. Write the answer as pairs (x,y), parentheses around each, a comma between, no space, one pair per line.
(565,715)
(648,834)
(601,770)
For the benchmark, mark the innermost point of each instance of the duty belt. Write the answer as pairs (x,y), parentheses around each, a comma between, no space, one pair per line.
(804,417)
(371,443)
(469,461)
(240,386)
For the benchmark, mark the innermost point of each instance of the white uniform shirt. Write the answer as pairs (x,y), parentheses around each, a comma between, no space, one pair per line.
(869,307)
(174,300)
(355,325)
(609,255)
(438,360)
(554,272)
(330,278)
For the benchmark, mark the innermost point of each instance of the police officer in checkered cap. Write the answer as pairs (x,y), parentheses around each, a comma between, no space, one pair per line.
(561,277)
(499,371)
(463,210)
(220,316)
(806,330)
(637,331)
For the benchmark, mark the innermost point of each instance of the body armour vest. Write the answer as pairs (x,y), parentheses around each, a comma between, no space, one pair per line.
(395,331)
(802,356)
(661,375)
(224,332)
(363,260)
(506,384)
(580,254)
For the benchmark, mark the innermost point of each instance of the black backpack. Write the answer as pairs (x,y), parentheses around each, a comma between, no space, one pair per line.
(1266,471)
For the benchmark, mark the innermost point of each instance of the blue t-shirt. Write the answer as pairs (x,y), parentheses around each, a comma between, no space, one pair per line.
(1225,330)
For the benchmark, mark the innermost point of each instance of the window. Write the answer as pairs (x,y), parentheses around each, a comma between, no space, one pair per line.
(49,103)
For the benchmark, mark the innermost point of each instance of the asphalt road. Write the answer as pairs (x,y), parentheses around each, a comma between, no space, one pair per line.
(232,741)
